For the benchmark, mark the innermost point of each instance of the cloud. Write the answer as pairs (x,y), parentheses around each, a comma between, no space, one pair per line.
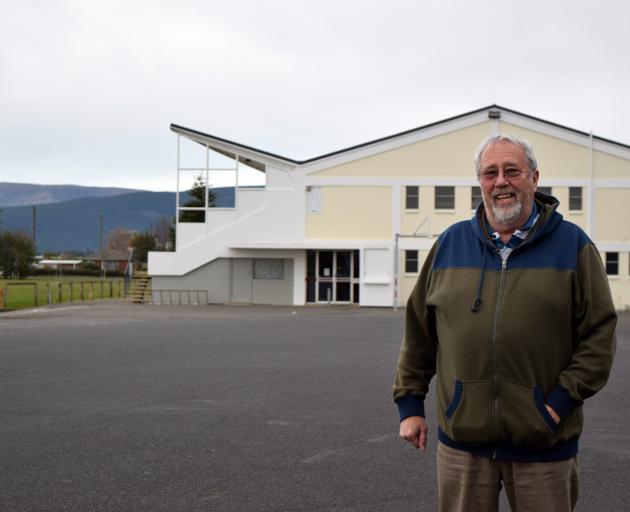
(89,88)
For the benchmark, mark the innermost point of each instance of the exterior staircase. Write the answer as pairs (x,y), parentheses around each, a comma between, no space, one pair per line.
(140,289)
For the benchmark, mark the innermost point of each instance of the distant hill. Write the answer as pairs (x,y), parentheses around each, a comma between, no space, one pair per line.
(22,194)
(74,225)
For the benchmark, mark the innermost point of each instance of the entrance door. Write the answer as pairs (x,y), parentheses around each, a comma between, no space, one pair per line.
(332,276)
(242,280)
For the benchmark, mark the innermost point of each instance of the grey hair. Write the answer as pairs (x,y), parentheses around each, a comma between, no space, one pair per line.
(517,141)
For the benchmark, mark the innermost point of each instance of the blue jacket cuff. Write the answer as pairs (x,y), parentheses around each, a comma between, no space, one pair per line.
(560,401)
(410,405)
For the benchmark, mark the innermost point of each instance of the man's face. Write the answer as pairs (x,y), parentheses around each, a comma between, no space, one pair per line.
(507,200)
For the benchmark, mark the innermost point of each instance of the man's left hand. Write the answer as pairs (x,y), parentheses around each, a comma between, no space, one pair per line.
(553,414)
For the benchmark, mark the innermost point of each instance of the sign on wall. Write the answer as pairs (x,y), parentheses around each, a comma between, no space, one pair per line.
(313,199)
(268,269)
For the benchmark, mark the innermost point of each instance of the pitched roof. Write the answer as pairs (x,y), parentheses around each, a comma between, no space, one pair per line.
(183,130)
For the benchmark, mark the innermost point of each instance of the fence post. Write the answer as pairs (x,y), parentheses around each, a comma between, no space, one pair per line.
(2,295)
(48,295)
(35,290)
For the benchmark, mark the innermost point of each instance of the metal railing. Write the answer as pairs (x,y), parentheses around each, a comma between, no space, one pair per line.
(179,297)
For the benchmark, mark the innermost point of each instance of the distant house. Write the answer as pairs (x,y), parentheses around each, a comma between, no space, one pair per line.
(355,226)
(60,265)
(112,260)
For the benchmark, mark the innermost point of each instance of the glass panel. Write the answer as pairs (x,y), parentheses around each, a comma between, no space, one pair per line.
(544,190)
(612,263)
(325,292)
(310,264)
(221,186)
(411,261)
(343,264)
(355,293)
(411,198)
(192,191)
(310,276)
(250,177)
(343,292)
(192,155)
(355,268)
(444,198)
(475,197)
(575,198)
(325,263)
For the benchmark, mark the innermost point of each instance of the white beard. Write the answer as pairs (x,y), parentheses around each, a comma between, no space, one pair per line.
(506,215)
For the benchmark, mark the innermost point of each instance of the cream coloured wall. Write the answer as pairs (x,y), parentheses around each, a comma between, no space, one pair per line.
(613,212)
(556,158)
(448,155)
(352,213)
(609,166)
(410,220)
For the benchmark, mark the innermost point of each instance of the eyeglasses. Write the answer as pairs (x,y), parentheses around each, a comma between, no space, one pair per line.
(492,174)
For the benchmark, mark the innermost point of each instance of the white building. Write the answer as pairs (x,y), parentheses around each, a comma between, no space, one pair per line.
(355,225)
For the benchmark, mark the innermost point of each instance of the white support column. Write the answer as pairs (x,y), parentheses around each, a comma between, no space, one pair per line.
(177,187)
(591,189)
(299,279)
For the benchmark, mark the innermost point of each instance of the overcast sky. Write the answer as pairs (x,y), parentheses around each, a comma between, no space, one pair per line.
(89,88)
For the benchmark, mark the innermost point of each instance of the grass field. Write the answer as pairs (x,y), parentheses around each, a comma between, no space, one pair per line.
(40,291)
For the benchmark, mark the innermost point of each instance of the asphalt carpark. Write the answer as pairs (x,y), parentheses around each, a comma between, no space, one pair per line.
(145,408)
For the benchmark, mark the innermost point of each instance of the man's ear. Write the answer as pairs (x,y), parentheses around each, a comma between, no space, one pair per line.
(535,176)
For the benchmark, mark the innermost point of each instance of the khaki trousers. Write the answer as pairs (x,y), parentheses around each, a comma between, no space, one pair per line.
(469,483)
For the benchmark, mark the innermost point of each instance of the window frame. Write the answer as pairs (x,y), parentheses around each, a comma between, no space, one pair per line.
(410,196)
(473,203)
(612,261)
(580,198)
(410,260)
(437,195)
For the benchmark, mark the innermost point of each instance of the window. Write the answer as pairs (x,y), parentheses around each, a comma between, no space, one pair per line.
(475,197)
(411,262)
(268,269)
(545,190)
(444,198)
(412,198)
(612,263)
(575,198)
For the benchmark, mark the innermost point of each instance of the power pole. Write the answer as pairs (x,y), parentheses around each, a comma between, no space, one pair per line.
(35,227)
(100,236)
(100,244)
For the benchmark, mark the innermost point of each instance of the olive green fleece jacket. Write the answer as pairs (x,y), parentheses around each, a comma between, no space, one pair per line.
(506,337)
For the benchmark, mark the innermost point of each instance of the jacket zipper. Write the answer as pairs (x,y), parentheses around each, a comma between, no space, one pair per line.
(493,380)
(495,390)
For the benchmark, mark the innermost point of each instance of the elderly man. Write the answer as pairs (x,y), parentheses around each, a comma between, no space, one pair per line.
(513,312)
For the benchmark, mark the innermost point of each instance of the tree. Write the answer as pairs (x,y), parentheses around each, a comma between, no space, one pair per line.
(197,198)
(17,252)
(119,239)
(142,243)
(163,232)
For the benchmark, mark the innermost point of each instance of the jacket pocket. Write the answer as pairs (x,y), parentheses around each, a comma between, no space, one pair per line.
(525,419)
(469,414)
